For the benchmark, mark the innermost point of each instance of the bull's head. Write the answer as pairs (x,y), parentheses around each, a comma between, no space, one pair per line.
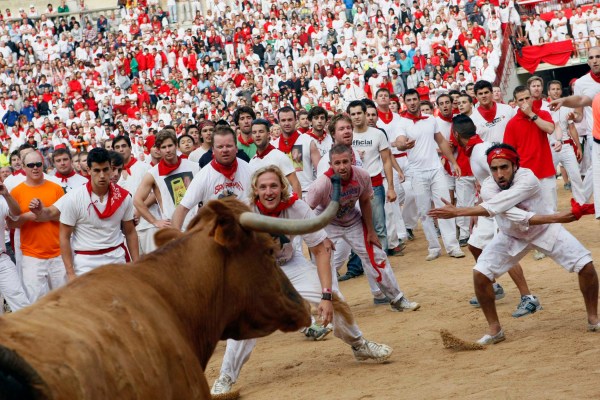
(259,298)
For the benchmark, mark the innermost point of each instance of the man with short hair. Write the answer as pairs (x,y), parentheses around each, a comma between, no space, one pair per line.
(43,269)
(243,117)
(65,175)
(88,239)
(318,118)
(420,137)
(514,196)
(490,117)
(168,180)
(225,176)
(267,154)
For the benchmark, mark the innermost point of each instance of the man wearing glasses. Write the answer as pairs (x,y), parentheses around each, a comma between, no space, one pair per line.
(42,266)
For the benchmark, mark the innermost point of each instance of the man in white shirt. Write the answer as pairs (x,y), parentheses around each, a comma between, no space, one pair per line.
(65,175)
(490,117)
(513,195)
(420,137)
(225,176)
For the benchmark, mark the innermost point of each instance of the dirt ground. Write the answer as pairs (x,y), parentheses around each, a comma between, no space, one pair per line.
(548,355)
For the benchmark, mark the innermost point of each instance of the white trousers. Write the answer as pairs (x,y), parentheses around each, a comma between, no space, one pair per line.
(83,263)
(303,276)
(409,208)
(40,276)
(146,239)
(591,182)
(549,190)
(11,286)
(586,160)
(431,186)
(382,280)
(567,158)
(394,223)
(465,197)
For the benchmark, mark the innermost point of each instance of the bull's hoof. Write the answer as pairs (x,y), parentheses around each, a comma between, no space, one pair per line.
(233,395)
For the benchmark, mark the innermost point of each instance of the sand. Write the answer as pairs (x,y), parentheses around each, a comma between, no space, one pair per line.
(547,355)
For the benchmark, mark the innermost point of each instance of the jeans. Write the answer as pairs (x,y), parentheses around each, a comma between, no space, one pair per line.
(354,266)
(378,208)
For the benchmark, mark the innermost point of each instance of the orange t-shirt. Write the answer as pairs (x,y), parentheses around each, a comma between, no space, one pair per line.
(39,239)
(596,115)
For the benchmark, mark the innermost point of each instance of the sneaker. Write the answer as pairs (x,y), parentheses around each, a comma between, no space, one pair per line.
(594,328)
(396,251)
(463,242)
(567,186)
(346,277)
(379,302)
(538,255)
(317,332)
(456,253)
(528,305)
(410,235)
(405,304)
(489,339)
(432,255)
(372,351)
(498,291)
(222,385)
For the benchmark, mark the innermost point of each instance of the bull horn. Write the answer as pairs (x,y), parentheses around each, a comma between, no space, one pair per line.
(261,223)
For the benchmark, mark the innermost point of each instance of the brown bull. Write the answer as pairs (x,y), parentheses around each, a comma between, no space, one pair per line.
(147,330)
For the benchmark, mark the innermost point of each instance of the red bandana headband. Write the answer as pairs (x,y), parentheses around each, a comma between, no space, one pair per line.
(504,153)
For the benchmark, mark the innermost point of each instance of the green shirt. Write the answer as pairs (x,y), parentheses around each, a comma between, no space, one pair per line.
(250,150)
(64,9)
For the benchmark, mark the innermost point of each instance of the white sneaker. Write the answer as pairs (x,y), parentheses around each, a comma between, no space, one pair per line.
(594,328)
(486,340)
(456,253)
(432,255)
(404,304)
(538,255)
(372,351)
(222,385)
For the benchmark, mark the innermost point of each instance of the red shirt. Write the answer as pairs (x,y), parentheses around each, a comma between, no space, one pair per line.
(462,159)
(531,143)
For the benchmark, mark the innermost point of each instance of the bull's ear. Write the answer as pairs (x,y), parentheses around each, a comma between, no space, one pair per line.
(226,231)
(165,235)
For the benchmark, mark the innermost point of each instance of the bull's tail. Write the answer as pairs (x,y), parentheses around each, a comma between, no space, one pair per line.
(343,309)
(18,380)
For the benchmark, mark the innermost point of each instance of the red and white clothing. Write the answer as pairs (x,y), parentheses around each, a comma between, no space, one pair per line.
(210,184)
(512,208)
(491,125)
(69,181)
(299,153)
(369,144)
(80,209)
(272,156)
(324,143)
(173,186)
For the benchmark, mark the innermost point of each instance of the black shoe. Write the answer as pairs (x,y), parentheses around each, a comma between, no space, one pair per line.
(410,234)
(347,276)
(463,242)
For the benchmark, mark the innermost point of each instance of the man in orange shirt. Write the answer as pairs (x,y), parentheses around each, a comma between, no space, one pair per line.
(43,269)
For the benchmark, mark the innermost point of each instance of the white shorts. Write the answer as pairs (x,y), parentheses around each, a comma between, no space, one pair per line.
(83,263)
(567,251)
(483,232)
(450,180)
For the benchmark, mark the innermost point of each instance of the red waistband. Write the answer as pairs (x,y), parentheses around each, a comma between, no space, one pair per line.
(400,155)
(377,180)
(569,141)
(98,252)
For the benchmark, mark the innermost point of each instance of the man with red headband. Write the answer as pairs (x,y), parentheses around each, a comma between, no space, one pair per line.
(513,197)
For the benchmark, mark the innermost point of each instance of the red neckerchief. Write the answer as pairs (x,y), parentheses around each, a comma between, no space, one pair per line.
(19,172)
(240,139)
(184,156)
(350,182)
(447,119)
(303,130)
(474,140)
(63,178)
(227,171)
(386,117)
(595,77)
(312,135)
(116,197)
(488,114)
(537,105)
(285,145)
(152,163)
(132,160)
(262,155)
(166,169)
(455,111)
(282,206)
(413,118)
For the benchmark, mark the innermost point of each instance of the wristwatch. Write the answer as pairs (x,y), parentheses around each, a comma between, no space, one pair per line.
(327,296)
(534,117)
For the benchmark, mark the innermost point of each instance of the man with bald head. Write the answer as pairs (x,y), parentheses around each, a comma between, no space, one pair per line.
(42,266)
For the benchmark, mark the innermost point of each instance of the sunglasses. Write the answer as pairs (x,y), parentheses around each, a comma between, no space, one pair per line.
(34,165)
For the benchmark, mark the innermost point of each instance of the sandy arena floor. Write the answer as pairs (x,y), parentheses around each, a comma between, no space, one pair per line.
(548,355)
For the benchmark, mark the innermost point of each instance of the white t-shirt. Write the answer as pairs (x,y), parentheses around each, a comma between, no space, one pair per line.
(325,145)
(301,160)
(324,163)
(90,232)
(445,127)
(4,213)
(72,182)
(586,86)
(560,119)
(493,132)
(391,130)
(209,184)
(369,144)
(131,184)
(478,161)
(423,156)
(197,154)
(274,157)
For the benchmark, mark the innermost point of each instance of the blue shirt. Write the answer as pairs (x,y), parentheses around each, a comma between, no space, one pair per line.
(406,64)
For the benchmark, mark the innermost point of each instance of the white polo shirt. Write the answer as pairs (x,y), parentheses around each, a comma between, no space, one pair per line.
(423,156)
(493,132)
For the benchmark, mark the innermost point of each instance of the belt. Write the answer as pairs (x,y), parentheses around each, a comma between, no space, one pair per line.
(377,180)
(569,141)
(104,251)
(596,140)
(400,155)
